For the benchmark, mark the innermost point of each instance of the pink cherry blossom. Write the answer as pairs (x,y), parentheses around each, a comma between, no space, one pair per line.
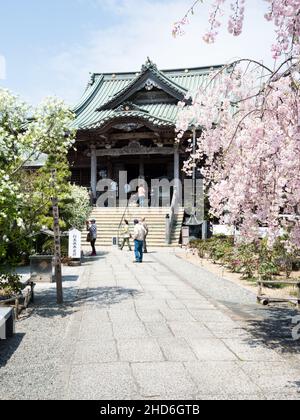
(285,14)
(251,143)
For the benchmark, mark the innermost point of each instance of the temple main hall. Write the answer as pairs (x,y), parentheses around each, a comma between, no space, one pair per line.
(126,122)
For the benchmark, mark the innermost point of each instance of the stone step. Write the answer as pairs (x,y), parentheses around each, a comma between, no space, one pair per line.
(131,215)
(140,209)
(152,227)
(151,242)
(149,238)
(108,221)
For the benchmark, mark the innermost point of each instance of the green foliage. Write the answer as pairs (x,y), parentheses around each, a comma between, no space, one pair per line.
(247,259)
(287,261)
(215,248)
(250,260)
(9,284)
(25,198)
(78,209)
(48,247)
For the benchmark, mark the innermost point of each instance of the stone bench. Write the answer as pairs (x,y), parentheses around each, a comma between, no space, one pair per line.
(266,300)
(7,323)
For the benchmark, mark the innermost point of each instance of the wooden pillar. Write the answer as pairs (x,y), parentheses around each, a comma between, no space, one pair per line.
(57,242)
(94,171)
(110,168)
(176,168)
(142,167)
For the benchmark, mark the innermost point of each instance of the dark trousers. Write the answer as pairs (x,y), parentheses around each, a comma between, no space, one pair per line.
(139,250)
(126,241)
(145,246)
(93,243)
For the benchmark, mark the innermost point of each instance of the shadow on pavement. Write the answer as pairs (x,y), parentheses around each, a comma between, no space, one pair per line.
(100,255)
(70,278)
(148,262)
(275,331)
(45,305)
(104,296)
(9,347)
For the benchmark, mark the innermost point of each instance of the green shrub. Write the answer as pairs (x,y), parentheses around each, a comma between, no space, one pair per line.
(250,260)
(77,210)
(247,260)
(284,260)
(48,247)
(10,284)
(215,248)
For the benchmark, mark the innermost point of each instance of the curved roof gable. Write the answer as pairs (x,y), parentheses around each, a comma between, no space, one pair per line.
(149,77)
(114,95)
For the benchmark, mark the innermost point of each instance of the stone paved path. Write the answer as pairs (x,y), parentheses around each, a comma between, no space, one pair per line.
(162,330)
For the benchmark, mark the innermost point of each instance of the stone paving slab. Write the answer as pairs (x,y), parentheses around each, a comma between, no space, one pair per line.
(165,329)
(148,315)
(209,315)
(190,330)
(164,379)
(177,350)
(227,330)
(173,315)
(273,377)
(129,330)
(140,350)
(221,378)
(159,329)
(112,381)
(95,352)
(96,332)
(211,350)
(251,350)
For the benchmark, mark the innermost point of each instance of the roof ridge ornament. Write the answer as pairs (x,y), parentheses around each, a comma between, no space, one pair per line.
(150,77)
(149,65)
(92,79)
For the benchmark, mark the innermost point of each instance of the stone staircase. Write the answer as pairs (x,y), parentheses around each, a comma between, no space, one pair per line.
(108,220)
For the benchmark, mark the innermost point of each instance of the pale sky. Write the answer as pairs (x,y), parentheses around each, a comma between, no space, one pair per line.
(49,47)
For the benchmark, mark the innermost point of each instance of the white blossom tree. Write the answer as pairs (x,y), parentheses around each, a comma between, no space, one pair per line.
(25,134)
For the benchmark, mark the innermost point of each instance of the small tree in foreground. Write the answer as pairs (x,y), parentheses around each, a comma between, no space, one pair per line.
(25,198)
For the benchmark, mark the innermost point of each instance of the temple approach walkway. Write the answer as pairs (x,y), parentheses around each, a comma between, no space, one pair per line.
(165,329)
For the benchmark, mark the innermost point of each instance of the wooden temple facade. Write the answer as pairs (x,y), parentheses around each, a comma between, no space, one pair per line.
(126,122)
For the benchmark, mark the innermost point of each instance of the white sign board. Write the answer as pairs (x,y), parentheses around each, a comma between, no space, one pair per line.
(75,244)
(185,236)
(223,230)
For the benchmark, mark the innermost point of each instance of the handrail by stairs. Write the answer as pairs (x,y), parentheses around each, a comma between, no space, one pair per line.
(122,220)
(171,217)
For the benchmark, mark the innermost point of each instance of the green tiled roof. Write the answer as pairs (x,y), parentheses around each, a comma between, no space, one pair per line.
(97,106)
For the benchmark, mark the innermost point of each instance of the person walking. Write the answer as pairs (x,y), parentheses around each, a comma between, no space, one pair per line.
(139,237)
(126,236)
(92,236)
(144,224)
(142,195)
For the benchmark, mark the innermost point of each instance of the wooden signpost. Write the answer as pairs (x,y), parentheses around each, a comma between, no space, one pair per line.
(57,245)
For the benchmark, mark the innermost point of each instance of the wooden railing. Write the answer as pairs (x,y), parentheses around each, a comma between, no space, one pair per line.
(121,222)
(171,217)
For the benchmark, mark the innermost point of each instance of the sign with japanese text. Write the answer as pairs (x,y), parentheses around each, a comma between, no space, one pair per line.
(74,244)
